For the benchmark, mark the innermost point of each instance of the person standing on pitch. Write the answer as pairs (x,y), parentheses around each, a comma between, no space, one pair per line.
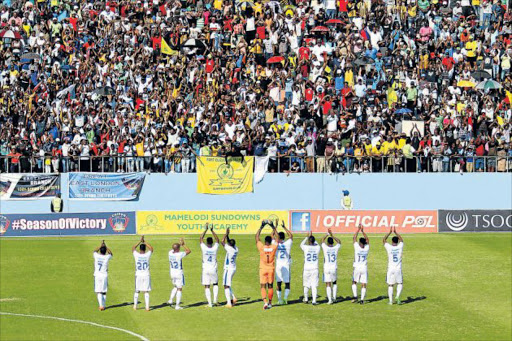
(229,268)
(176,270)
(310,275)
(394,275)
(142,276)
(283,263)
(360,275)
(331,265)
(267,263)
(209,276)
(102,256)
(346,201)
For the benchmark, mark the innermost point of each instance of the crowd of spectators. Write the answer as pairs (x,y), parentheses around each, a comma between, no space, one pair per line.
(318,86)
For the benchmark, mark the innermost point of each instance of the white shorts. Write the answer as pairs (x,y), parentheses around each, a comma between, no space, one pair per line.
(227,278)
(310,278)
(394,276)
(100,283)
(142,283)
(209,277)
(283,273)
(360,275)
(330,275)
(178,279)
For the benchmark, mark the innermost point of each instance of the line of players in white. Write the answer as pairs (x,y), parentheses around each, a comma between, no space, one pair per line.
(330,246)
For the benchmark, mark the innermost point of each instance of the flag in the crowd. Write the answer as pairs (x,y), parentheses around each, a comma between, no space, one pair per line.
(260,168)
(163,10)
(70,91)
(215,176)
(138,103)
(165,49)
(364,34)
(62,16)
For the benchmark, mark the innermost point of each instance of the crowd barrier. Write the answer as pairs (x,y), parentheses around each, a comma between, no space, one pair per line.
(278,164)
(248,222)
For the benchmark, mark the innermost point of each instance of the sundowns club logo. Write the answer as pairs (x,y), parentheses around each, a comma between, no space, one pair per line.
(225,173)
(4,224)
(301,221)
(118,222)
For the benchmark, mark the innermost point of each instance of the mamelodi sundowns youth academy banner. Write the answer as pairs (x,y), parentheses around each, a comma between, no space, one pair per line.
(28,186)
(193,222)
(346,221)
(215,176)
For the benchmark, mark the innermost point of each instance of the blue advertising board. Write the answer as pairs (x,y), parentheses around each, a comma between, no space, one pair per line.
(105,186)
(67,224)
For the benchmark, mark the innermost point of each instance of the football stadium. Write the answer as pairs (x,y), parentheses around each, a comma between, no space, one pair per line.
(255,170)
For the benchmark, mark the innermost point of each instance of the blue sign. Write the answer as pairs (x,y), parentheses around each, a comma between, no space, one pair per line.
(67,224)
(105,186)
(301,221)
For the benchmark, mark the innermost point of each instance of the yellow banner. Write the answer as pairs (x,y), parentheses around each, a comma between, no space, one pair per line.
(193,222)
(215,176)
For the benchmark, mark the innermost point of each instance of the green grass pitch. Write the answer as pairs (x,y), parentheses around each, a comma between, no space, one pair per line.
(456,287)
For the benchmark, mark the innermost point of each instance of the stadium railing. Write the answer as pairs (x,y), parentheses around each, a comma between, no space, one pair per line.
(277,164)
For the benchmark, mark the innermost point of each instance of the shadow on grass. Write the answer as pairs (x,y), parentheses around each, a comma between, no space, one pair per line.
(375,299)
(159,306)
(414,299)
(119,305)
(247,300)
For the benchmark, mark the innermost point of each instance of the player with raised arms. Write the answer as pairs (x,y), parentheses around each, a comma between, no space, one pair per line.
(310,275)
(283,263)
(267,263)
(229,268)
(176,270)
(209,275)
(360,275)
(102,256)
(331,265)
(142,276)
(394,275)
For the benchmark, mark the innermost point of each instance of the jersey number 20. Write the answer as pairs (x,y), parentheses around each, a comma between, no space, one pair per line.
(142,265)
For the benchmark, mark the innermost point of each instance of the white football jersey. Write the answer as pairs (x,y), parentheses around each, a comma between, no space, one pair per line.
(101,263)
(331,256)
(394,254)
(210,256)
(142,262)
(230,260)
(361,255)
(310,255)
(283,253)
(175,260)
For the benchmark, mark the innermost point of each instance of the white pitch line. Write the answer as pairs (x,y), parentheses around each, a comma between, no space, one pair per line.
(77,321)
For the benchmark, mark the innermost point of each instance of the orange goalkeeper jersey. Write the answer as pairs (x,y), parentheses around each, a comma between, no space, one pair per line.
(267,255)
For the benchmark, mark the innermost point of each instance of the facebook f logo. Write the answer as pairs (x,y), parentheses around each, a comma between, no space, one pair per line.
(301,221)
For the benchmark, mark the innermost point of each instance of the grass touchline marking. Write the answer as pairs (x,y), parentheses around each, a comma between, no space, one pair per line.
(77,321)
